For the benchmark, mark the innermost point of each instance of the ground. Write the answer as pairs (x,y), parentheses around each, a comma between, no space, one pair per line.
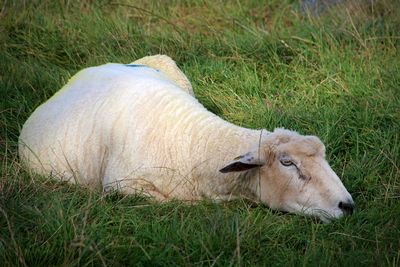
(261,64)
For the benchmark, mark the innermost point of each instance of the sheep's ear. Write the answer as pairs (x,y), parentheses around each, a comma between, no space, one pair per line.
(242,163)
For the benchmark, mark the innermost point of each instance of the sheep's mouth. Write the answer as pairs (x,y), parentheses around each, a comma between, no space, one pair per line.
(325,219)
(323,215)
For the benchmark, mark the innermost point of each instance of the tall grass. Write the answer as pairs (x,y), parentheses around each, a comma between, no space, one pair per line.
(262,65)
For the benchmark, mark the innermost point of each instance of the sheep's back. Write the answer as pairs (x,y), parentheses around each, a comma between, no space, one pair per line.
(77,131)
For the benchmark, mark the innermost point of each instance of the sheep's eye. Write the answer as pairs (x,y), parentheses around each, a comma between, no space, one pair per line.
(286,162)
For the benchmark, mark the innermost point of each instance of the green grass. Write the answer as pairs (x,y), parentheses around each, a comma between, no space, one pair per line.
(266,65)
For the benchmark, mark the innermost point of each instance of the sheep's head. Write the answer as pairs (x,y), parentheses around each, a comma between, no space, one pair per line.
(290,173)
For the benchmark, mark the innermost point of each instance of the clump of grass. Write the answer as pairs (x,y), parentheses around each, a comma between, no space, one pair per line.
(260,65)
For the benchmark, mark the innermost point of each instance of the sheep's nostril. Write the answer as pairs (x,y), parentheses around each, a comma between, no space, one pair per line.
(347,208)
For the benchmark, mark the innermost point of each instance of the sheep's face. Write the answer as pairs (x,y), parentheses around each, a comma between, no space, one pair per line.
(295,177)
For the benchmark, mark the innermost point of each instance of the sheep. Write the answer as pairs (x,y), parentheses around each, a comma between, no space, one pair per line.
(135,130)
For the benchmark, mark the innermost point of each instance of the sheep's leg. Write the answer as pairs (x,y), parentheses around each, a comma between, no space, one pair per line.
(224,198)
(136,187)
(160,197)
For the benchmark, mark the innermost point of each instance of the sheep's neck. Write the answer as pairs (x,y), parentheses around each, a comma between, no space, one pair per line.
(215,144)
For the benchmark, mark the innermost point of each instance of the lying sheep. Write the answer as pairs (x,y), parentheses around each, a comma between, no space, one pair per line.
(135,129)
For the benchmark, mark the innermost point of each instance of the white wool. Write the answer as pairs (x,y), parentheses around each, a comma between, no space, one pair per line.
(118,123)
(137,129)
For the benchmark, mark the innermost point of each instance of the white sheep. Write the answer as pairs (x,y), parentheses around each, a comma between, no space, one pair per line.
(137,129)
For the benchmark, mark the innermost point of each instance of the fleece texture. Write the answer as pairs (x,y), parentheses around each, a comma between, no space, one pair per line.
(132,128)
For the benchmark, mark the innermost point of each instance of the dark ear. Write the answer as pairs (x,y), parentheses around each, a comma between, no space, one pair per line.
(242,163)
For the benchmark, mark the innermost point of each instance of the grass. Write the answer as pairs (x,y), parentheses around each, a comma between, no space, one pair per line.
(261,65)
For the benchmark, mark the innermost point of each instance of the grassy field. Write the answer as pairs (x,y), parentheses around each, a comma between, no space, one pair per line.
(335,74)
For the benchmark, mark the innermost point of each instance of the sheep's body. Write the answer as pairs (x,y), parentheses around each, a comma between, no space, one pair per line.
(131,128)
